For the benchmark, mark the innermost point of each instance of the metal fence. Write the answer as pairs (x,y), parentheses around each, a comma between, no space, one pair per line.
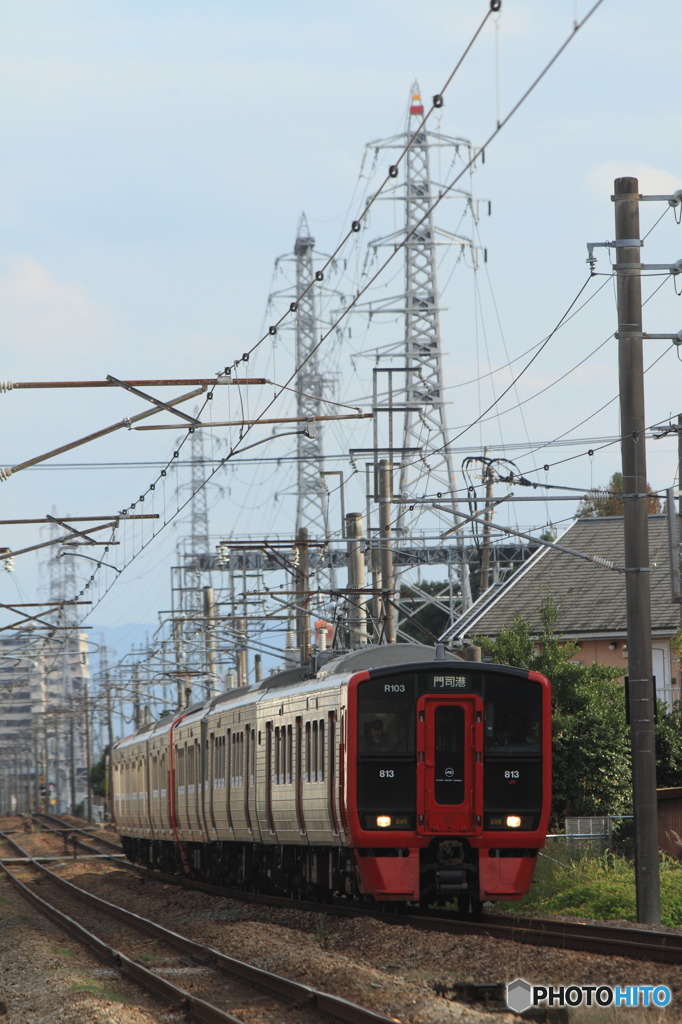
(590,837)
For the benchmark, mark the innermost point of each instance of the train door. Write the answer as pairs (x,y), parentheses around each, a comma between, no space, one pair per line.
(449,764)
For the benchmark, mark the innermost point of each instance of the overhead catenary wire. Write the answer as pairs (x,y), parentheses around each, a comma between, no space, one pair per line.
(500,125)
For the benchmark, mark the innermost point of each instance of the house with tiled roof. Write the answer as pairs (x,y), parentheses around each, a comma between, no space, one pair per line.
(589,593)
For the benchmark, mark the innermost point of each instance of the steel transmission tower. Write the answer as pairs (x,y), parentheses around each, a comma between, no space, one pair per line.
(425,424)
(199,505)
(189,579)
(311,494)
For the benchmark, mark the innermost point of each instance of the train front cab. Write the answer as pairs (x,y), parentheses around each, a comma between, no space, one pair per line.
(449,780)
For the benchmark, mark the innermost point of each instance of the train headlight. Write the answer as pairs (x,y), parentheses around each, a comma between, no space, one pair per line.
(513,821)
(383,821)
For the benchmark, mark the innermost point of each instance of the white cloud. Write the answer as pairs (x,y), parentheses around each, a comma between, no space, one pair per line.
(652,180)
(42,316)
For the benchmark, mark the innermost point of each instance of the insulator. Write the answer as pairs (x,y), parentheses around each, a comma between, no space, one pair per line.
(6,385)
(5,473)
(290,640)
(322,638)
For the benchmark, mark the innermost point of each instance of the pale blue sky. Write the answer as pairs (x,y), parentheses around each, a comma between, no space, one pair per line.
(157,157)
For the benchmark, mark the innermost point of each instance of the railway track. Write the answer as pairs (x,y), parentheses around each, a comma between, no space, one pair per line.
(77,835)
(222,980)
(605,940)
(634,943)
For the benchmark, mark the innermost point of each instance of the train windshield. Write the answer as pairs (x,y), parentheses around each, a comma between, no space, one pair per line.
(386,718)
(512,720)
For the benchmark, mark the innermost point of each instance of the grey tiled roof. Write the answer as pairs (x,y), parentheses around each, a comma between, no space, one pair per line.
(590,598)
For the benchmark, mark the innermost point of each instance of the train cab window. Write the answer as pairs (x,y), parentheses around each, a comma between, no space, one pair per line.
(382,732)
(512,724)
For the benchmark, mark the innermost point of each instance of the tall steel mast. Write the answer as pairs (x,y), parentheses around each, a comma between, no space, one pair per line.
(425,423)
(312,511)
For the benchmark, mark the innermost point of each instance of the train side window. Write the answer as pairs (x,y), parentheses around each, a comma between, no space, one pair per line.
(181,767)
(320,774)
(289,764)
(314,752)
(233,760)
(308,751)
(331,743)
(278,754)
(218,755)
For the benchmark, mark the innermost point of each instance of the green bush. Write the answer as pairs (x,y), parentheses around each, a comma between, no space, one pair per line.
(597,887)
(590,743)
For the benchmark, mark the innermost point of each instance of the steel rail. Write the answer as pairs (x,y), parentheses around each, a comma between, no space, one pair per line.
(607,940)
(273,984)
(634,943)
(62,828)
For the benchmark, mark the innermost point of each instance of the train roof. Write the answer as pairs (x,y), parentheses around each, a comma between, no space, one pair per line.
(384,656)
(362,659)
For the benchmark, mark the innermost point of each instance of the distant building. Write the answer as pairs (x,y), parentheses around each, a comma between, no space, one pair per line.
(43,695)
(590,599)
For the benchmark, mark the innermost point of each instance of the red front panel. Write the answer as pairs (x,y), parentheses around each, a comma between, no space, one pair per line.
(449,765)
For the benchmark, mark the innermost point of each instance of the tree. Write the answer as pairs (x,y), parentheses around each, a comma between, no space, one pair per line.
(591,750)
(668,745)
(424,622)
(98,775)
(608,501)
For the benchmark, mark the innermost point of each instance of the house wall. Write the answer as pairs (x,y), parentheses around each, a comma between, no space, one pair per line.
(666,666)
(670,821)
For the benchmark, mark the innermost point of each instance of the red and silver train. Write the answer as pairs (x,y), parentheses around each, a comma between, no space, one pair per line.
(395,773)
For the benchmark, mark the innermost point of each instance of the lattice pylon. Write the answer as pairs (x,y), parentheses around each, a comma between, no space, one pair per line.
(311,494)
(425,422)
(312,497)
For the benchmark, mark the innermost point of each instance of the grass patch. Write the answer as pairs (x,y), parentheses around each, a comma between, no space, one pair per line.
(597,887)
(149,958)
(92,988)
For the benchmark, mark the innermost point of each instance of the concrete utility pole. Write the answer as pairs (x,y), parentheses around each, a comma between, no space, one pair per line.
(636,540)
(212,688)
(357,615)
(303,595)
(386,542)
